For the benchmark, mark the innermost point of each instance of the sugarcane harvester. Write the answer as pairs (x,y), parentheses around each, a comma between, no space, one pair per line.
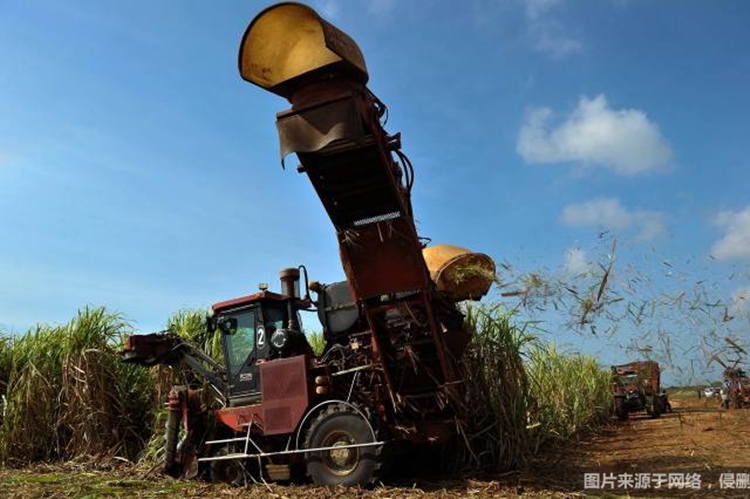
(388,375)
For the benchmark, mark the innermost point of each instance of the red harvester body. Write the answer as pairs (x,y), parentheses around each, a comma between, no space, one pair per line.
(388,375)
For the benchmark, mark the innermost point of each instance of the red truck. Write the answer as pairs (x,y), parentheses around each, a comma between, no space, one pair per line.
(637,388)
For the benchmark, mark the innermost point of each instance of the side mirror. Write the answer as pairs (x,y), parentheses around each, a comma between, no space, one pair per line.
(228,325)
(210,324)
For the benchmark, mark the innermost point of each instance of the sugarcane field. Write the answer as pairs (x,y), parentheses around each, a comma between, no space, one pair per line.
(348,249)
(697,441)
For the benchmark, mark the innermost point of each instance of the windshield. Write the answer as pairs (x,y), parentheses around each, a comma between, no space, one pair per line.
(627,379)
(241,342)
(275,318)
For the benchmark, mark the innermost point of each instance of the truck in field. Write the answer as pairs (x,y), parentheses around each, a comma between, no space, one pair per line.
(736,384)
(388,377)
(637,388)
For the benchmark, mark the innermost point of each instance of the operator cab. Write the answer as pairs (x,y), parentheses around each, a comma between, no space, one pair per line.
(256,329)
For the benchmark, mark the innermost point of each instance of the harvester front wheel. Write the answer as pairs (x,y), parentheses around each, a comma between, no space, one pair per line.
(340,426)
(620,410)
(229,471)
(655,411)
(736,400)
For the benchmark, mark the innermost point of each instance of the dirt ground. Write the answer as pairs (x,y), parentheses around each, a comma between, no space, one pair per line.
(698,450)
(704,448)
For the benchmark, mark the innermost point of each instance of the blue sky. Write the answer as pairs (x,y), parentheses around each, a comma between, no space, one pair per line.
(138,171)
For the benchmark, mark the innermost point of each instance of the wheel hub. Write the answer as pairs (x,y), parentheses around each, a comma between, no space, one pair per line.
(340,461)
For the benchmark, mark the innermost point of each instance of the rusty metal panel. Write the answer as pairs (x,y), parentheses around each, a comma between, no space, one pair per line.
(285,395)
(364,192)
(353,185)
(381,258)
(149,349)
(237,418)
(334,127)
(314,128)
(361,188)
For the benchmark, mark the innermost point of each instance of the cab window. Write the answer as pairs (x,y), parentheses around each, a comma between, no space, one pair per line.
(241,343)
(275,318)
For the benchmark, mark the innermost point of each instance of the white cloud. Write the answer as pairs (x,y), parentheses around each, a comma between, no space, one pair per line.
(575,262)
(609,214)
(602,212)
(736,241)
(549,39)
(546,33)
(623,140)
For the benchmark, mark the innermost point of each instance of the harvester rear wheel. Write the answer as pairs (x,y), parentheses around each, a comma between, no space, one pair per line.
(339,425)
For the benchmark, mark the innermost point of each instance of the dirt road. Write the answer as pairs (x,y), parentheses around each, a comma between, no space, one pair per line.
(698,450)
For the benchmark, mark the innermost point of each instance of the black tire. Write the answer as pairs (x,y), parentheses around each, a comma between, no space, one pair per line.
(229,471)
(620,411)
(656,407)
(736,400)
(340,425)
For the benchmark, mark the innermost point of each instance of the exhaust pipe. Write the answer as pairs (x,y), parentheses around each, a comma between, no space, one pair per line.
(290,288)
(290,282)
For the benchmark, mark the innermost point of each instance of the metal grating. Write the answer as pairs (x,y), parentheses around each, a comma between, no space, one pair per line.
(376,219)
(281,379)
(277,419)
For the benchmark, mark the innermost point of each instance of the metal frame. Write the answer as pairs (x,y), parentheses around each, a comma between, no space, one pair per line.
(260,454)
(240,455)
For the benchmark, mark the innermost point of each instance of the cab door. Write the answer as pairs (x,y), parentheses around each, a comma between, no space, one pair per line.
(242,338)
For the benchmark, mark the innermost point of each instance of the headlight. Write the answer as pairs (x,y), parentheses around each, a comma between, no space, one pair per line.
(279,339)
